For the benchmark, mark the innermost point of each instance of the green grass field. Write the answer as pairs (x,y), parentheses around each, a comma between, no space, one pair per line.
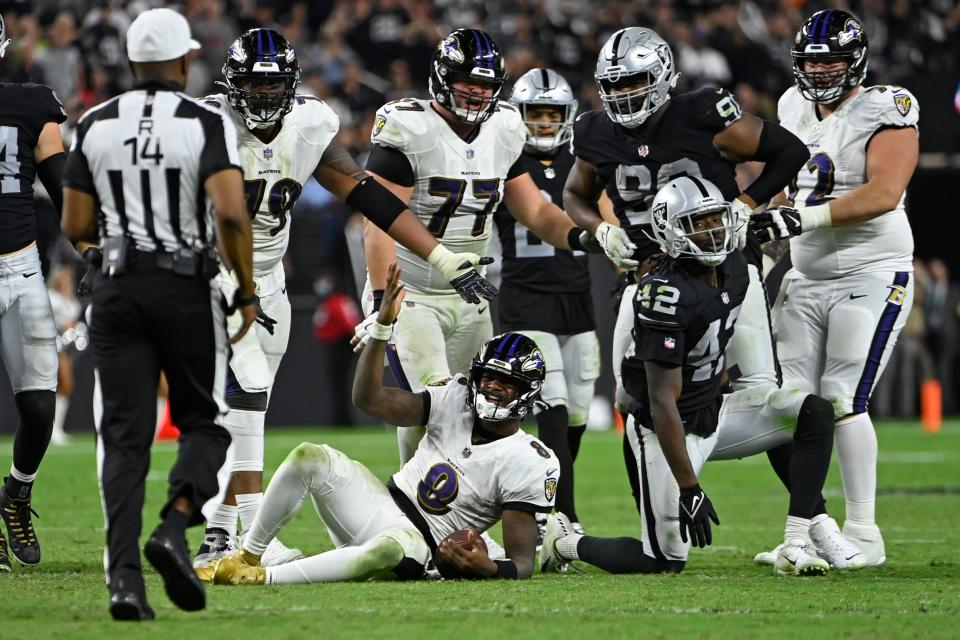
(721,593)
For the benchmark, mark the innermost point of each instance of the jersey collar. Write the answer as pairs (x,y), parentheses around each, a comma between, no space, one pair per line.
(154,83)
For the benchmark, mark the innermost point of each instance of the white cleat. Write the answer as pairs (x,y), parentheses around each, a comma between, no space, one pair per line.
(278,553)
(768,557)
(868,539)
(797,557)
(558,527)
(834,547)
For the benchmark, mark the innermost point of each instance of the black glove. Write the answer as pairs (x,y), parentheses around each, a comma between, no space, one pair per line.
(263,319)
(696,511)
(776,224)
(472,286)
(94,258)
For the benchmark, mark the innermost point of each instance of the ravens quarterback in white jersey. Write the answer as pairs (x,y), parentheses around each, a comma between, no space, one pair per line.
(545,291)
(453,158)
(475,466)
(686,312)
(285,138)
(844,302)
(30,147)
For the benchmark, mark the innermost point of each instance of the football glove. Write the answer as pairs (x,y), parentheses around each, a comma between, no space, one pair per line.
(741,213)
(617,245)
(361,332)
(786,222)
(696,512)
(263,319)
(457,268)
(94,258)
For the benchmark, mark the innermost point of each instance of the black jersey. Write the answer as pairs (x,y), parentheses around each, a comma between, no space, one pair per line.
(528,261)
(681,321)
(635,163)
(24,110)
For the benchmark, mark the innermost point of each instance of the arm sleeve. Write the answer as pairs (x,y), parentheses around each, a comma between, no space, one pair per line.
(220,146)
(50,172)
(717,109)
(392,164)
(533,488)
(660,322)
(895,108)
(49,107)
(517,169)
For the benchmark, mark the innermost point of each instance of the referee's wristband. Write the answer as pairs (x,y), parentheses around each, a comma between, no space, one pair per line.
(379,331)
(507,570)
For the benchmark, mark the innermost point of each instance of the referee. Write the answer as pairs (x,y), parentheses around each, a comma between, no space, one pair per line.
(143,172)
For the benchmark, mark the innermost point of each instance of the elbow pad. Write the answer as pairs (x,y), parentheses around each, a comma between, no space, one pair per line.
(375,202)
(784,155)
(50,172)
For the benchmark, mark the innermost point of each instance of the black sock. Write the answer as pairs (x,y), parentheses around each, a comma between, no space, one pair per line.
(17,490)
(812,448)
(176,521)
(36,409)
(574,436)
(779,458)
(552,429)
(623,555)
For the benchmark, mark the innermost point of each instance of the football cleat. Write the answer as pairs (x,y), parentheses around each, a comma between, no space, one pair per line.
(834,547)
(868,539)
(797,557)
(234,569)
(278,553)
(768,557)
(4,555)
(23,539)
(558,527)
(216,544)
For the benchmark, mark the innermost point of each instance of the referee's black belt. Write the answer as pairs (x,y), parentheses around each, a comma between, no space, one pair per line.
(186,263)
(413,515)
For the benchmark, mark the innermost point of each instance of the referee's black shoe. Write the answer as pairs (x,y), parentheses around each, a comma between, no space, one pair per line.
(127,604)
(16,516)
(167,552)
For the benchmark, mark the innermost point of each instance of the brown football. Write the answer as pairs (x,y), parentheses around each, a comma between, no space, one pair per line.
(461,536)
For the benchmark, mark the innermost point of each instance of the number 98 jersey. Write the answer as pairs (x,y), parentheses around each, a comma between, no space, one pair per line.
(456,484)
(457,183)
(838,149)
(274,172)
(681,321)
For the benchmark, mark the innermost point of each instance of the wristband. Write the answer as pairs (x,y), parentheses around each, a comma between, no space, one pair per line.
(507,570)
(379,331)
(816,217)
(243,302)
(573,239)
(377,299)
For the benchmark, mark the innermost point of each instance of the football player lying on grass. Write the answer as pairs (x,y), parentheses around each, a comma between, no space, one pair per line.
(474,467)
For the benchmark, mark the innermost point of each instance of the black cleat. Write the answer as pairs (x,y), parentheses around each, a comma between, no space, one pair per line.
(129,605)
(216,544)
(4,556)
(23,539)
(168,555)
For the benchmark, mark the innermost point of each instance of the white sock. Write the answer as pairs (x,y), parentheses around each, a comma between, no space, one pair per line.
(817,519)
(857,452)
(60,416)
(567,546)
(247,506)
(797,529)
(22,477)
(336,565)
(280,503)
(224,517)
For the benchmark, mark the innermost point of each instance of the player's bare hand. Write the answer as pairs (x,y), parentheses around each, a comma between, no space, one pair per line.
(393,295)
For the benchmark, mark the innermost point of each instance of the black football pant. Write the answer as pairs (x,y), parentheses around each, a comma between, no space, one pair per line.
(143,323)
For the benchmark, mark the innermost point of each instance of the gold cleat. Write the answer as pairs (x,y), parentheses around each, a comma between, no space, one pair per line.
(237,568)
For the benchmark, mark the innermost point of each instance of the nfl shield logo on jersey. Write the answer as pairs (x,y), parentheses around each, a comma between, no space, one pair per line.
(670,343)
(268,153)
(469,154)
(643,151)
(466,453)
(550,173)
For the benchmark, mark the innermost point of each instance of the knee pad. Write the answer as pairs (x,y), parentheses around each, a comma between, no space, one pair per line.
(36,408)
(246,429)
(240,398)
(816,418)
(309,459)
(382,554)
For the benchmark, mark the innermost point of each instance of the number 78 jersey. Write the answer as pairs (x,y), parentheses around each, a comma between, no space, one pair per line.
(457,183)
(274,172)
(837,165)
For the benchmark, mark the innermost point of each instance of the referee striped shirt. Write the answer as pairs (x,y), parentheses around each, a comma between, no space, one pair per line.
(144,156)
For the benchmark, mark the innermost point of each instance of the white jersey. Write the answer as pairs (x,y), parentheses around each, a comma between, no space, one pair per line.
(274,172)
(837,166)
(457,184)
(455,484)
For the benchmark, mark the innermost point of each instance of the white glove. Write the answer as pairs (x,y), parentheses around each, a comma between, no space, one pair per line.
(362,332)
(452,264)
(741,216)
(460,270)
(617,245)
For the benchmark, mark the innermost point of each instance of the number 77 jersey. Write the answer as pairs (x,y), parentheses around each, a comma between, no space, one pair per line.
(275,172)
(838,157)
(682,321)
(457,183)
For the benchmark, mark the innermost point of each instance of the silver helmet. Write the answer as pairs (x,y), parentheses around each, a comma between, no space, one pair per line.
(4,40)
(545,88)
(635,55)
(674,213)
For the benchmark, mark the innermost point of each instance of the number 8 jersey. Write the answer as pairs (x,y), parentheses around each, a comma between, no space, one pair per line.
(274,172)
(457,183)
(838,149)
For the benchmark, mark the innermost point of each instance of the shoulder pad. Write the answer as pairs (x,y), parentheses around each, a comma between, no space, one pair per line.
(316,122)
(662,299)
(399,124)
(511,131)
(217,100)
(890,105)
(788,103)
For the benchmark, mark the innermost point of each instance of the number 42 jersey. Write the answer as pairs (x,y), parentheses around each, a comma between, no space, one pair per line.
(838,149)
(274,172)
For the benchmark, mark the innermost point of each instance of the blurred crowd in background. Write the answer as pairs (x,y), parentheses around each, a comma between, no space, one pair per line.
(358,54)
